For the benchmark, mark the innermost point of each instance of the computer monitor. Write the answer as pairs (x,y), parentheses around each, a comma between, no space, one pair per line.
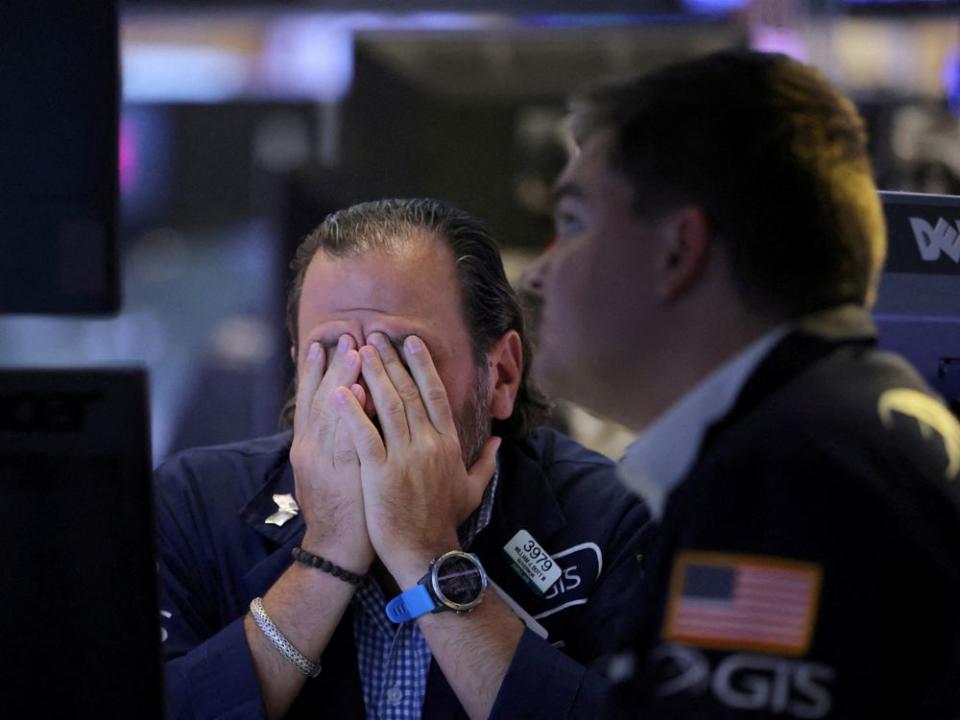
(79,622)
(59,106)
(918,310)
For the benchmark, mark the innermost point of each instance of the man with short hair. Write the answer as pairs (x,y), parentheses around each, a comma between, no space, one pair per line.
(364,542)
(720,243)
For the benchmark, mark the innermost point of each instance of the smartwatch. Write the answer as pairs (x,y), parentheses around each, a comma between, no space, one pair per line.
(455,581)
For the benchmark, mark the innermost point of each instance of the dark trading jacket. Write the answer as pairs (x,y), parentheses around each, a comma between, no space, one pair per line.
(834,464)
(216,554)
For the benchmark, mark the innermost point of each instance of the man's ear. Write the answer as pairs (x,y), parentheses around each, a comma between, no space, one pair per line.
(686,239)
(293,354)
(505,368)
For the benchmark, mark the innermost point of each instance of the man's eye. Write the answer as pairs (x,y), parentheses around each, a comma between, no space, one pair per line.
(567,224)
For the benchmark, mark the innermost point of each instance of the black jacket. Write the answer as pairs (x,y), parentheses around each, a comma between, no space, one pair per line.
(826,505)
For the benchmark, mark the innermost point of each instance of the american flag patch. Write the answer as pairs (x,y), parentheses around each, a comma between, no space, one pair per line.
(743,602)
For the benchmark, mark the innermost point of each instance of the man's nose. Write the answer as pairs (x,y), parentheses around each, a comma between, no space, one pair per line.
(531,280)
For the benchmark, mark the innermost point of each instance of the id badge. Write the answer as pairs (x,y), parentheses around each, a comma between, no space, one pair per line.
(532,562)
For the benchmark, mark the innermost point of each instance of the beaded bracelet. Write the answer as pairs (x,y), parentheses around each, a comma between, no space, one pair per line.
(302,556)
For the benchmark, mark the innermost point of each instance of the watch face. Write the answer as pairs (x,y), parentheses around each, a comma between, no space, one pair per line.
(459,581)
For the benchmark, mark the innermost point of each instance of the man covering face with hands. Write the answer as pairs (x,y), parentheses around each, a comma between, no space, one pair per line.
(415,545)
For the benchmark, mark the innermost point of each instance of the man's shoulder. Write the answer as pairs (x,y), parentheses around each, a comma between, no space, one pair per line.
(553,447)
(564,460)
(859,424)
(571,501)
(579,477)
(832,402)
(233,467)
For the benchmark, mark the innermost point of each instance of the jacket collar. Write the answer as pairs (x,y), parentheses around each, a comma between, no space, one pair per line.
(261,506)
(810,339)
(283,538)
(842,323)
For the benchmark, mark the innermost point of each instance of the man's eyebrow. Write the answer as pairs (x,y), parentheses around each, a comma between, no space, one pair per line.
(566,189)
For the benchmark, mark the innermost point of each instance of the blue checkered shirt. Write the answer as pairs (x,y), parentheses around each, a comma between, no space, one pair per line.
(394,659)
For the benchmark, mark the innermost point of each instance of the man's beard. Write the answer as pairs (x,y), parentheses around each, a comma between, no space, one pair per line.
(473,422)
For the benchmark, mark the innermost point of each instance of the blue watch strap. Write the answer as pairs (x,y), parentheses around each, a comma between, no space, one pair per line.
(410,604)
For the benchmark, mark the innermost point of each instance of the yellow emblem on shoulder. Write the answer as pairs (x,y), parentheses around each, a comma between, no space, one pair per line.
(930,415)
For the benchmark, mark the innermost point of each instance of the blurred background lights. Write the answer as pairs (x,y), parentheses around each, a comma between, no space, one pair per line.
(714,6)
(185,73)
(308,58)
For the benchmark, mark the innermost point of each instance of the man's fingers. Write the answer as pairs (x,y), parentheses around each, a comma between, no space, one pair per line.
(310,375)
(432,391)
(405,385)
(343,369)
(479,476)
(390,408)
(324,416)
(314,417)
(359,393)
(344,451)
(355,423)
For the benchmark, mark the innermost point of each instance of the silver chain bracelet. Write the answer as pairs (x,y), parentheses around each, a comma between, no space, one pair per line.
(286,648)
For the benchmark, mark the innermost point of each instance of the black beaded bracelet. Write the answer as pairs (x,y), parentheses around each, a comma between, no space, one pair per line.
(302,556)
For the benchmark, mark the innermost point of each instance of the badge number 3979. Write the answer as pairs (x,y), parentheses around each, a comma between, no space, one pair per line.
(532,562)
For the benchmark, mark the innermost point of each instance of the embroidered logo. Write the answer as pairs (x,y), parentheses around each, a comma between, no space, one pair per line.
(743,602)
(581,566)
(764,684)
(930,416)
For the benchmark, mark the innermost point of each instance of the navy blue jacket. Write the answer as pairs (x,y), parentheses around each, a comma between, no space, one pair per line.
(836,467)
(216,554)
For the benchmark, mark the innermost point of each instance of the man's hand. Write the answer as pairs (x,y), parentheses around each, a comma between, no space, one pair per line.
(416,490)
(325,465)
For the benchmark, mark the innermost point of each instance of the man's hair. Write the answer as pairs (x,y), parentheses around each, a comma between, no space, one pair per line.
(489,304)
(774,155)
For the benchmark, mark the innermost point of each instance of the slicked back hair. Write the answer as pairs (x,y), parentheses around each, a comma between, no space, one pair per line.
(773,154)
(489,304)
